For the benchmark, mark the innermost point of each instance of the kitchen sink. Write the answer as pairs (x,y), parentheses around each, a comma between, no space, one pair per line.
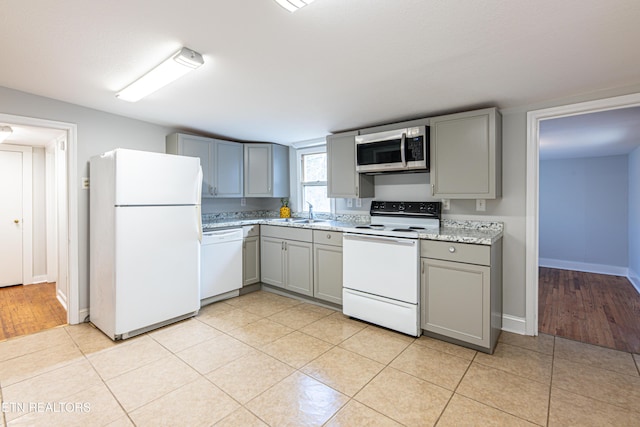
(309,221)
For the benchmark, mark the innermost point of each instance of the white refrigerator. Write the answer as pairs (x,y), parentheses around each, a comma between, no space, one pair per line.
(145,233)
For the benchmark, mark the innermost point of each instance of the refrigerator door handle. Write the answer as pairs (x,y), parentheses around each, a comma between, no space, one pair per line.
(199,205)
(199,222)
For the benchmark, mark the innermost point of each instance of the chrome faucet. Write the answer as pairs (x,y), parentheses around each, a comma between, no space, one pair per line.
(310,210)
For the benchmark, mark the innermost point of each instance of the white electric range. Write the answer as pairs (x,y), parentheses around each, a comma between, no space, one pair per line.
(381,264)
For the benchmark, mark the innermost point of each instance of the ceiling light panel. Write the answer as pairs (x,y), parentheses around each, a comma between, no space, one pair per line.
(174,67)
(5,132)
(293,5)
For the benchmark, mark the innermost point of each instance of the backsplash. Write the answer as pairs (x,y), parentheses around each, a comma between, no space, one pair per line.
(210,217)
(472,225)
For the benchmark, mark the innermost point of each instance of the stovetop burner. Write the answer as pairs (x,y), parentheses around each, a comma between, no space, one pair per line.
(401,219)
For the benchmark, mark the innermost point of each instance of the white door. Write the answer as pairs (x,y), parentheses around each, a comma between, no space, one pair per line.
(10,218)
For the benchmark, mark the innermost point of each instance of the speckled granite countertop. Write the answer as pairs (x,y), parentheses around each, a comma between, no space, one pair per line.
(473,232)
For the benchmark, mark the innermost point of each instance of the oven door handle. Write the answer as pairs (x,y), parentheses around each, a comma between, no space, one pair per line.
(403,147)
(391,240)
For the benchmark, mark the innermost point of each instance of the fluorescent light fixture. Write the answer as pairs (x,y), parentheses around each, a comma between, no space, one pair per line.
(5,132)
(176,66)
(293,5)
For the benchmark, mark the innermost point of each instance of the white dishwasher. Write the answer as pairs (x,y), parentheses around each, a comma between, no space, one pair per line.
(221,264)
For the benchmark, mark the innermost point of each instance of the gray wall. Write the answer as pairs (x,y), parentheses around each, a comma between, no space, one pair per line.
(584,210)
(634,217)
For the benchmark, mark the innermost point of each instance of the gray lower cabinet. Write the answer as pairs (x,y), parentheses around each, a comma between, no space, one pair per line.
(327,266)
(462,292)
(251,255)
(342,179)
(466,155)
(287,258)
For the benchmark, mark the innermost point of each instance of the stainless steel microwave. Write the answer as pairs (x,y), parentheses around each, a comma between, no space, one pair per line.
(402,150)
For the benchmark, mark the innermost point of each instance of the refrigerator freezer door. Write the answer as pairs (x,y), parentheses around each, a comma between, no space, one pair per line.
(157,264)
(146,178)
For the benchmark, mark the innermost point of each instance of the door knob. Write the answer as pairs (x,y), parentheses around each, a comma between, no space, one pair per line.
(16,221)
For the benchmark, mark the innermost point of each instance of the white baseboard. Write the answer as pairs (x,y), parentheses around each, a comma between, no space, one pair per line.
(83,315)
(514,324)
(611,270)
(634,279)
(38,279)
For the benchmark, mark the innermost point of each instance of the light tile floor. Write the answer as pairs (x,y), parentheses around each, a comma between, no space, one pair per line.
(264,359)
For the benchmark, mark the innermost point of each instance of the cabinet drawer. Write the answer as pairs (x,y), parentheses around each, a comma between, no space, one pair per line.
(251,230)
(458,252)
(288,233)
(333,238)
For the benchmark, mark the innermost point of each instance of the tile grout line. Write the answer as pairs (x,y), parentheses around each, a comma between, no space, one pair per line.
(456,388)
(553,362)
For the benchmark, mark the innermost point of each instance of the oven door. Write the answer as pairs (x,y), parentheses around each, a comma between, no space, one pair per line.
(384,266)
(399,150)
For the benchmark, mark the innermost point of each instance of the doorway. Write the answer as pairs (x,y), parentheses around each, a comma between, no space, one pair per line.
(534,119)
(51,267)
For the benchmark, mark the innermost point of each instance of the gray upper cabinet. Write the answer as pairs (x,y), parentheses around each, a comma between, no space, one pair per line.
(228,170)
(342,179)
(266,170)
(466,155)
(221,161)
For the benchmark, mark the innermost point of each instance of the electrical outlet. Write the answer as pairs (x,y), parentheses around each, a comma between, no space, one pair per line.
(349,203)
(446,204)
(243,202)
(359,203)
(481,205)
(85,183)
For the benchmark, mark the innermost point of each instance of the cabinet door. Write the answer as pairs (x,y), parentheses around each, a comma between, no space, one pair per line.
(228,169)
(466,155)
(456,300)
(299,267)
(327,278)
(251,261)
(342,179)
(271,261)
(257,170)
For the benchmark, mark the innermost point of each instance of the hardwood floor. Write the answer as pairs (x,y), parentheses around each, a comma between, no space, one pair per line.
(28,309)
(592,308)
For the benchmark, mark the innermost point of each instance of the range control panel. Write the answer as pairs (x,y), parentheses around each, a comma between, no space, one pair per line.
(416,209)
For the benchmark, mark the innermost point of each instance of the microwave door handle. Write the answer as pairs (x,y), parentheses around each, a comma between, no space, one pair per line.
(403,146)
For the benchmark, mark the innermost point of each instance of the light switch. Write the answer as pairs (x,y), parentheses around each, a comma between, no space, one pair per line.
(349,203)
(481,205)
(243,202)
(85,183)
(446,204)
(359,203)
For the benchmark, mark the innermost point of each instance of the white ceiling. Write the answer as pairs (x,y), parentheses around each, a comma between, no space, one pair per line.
(605,133)
(33,136)
(271,75)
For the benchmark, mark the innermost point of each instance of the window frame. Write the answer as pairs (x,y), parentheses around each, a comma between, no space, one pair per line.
(303,207)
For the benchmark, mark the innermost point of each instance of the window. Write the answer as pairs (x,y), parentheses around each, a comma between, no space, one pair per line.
(313,179)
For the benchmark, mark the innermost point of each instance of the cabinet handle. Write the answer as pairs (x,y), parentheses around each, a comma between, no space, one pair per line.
(328,236)
(357,191)
(452,249)
(422,267)
(432,189)
(282,245)
(210,190)
(215,191)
